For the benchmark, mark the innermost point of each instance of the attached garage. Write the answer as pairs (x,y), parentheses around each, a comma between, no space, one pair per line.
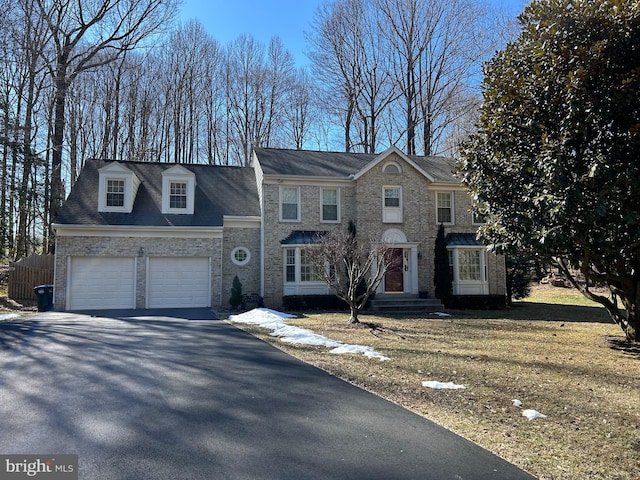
(178,282)
(97,282)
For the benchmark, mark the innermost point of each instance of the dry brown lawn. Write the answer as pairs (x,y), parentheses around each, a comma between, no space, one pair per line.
(556,353)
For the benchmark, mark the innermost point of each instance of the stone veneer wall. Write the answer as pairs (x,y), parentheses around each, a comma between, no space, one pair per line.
(67,246)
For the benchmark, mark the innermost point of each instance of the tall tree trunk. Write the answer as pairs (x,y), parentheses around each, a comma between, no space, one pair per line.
(4,213)
(56,188)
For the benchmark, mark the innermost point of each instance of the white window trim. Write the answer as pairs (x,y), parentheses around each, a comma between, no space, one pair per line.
(280,204)
(395,164)
(452,207)
(474,220)
(338,205)
(298,287)
(392,214)
(480,287)
(169,177)
(127,178)
(238,262)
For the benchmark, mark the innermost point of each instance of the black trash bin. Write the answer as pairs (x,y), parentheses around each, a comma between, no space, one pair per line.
(44,295)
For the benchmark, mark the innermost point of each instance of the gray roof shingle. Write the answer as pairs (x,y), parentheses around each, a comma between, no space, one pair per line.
(283,162)
(220,190)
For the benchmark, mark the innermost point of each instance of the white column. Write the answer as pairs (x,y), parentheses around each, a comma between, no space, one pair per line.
(413,269)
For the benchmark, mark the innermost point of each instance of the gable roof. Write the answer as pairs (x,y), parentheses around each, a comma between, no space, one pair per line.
(343,165)
(220,191)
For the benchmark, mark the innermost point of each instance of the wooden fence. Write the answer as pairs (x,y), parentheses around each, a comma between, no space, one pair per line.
(27,273)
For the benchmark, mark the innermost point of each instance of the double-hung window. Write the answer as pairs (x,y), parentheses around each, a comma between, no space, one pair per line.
(178,191)
(290,204)
(469,265)
(392,197)
(469,271)
(308,271)
(115,193)
(331,205)
(392,204)
(444,206)
(290,265)
(178,195)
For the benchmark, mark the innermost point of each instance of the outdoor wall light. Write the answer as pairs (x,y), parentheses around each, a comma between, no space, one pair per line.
(141,252)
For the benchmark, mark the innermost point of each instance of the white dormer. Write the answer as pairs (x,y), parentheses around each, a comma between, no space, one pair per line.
(117,188)
(178,190)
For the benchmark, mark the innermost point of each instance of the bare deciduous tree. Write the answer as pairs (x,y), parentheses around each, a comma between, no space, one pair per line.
(87,34)
(351,267)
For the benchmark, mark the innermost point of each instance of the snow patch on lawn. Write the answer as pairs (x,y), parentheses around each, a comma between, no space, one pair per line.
(442,385)
(275,321)
(532,414)
(8,316)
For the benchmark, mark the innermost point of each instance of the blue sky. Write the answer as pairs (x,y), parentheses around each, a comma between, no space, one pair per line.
(225,20)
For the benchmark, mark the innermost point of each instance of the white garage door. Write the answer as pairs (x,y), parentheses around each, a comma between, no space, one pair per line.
(179,282)
(101,283)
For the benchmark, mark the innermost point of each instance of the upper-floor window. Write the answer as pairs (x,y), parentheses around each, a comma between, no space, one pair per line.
(290,204)
(115,193)
(444,206)
(331,205)
(392,205)
(178,190)
(478,218)
(178,195)
(392,196)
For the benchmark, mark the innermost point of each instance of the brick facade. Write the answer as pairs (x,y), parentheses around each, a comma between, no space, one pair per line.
(123,246)
(361,199)
(362,202)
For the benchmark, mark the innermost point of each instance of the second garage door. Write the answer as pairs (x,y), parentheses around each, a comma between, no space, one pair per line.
(179,282)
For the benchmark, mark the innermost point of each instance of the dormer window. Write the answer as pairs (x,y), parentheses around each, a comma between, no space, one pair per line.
(115,193)
(117,188)
(178,195)
(178,190)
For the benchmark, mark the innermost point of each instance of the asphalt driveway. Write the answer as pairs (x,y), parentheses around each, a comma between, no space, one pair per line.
(178,395)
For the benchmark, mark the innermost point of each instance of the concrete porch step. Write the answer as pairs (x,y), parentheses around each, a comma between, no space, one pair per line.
(404,304)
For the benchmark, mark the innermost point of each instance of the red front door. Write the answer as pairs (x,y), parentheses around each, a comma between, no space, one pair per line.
(394,277)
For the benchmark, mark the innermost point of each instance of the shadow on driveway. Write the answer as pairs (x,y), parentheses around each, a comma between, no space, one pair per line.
(157,395)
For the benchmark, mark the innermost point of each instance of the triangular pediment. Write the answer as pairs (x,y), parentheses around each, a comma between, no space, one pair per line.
(115,167)
(178,171)
(387,154)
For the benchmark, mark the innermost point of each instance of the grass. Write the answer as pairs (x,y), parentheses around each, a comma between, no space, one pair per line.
(553,351)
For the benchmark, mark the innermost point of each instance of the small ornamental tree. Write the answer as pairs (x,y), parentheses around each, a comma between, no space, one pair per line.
(236,293)
(518,270)
(351,268)
(442,271)
(555,163)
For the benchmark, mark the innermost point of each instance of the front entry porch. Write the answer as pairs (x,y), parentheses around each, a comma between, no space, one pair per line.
(401,276)
(404,304)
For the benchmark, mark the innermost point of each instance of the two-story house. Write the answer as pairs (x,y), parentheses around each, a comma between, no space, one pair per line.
(154,235)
